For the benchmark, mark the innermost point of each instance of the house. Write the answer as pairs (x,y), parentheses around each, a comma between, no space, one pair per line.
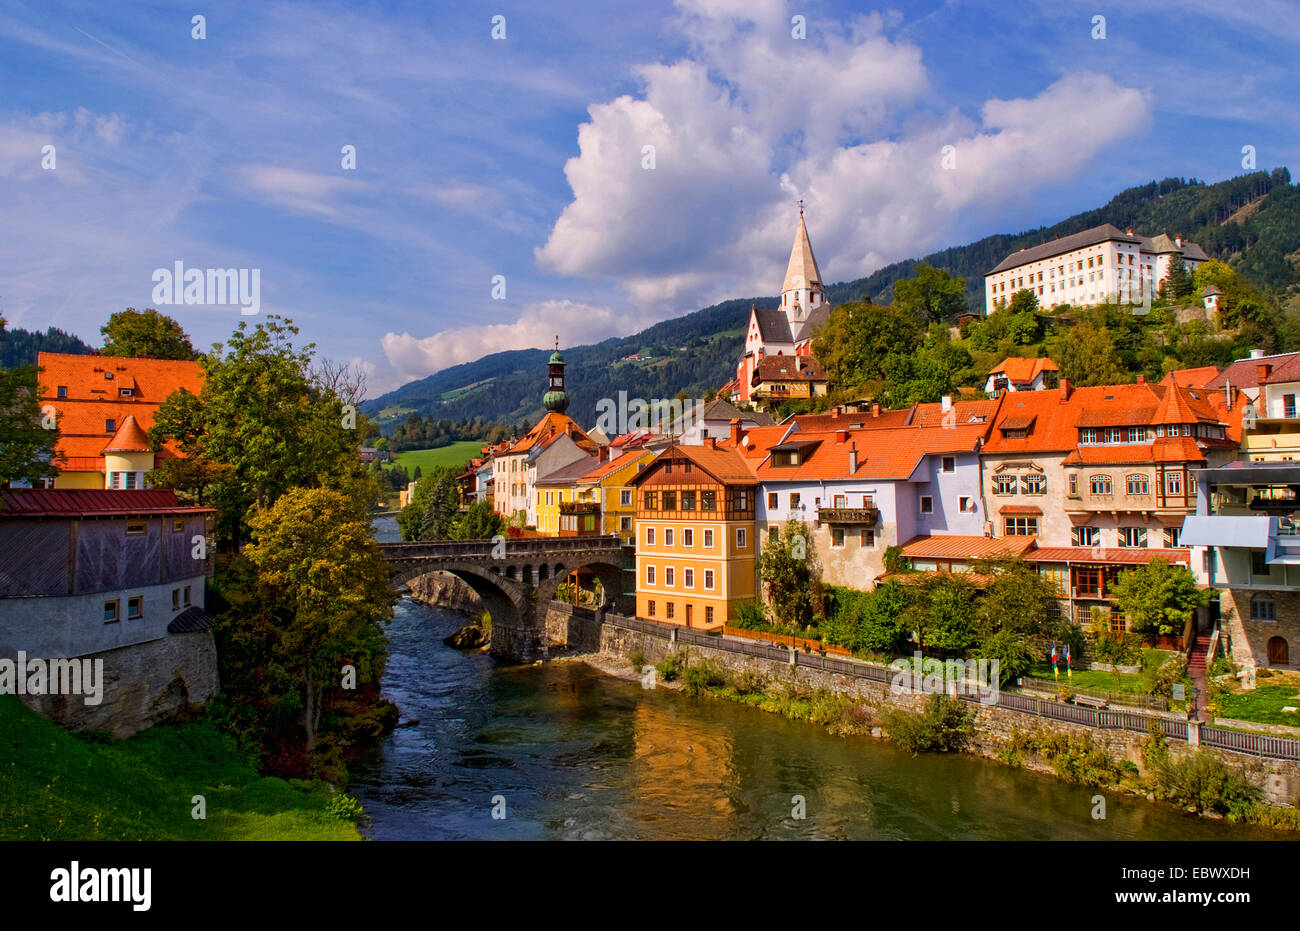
(1095,265)
(777,379)
(1211,296)
(105,406)
(559,512)
(114,576)
(1017,373)
(1271,383)
(714,420)
(695,543)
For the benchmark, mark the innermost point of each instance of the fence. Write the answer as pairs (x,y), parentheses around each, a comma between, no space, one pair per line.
(1150,702)
(1282,748)
(799,643)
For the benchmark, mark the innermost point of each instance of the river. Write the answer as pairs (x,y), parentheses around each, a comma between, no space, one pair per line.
(576,754)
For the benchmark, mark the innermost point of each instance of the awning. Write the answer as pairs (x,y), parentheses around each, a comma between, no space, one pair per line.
(1226,530)
(190,620)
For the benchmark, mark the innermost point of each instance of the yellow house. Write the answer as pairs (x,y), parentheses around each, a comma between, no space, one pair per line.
(695,536)
(609,486)
(557,502)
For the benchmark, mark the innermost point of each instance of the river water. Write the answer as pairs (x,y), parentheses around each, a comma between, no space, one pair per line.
(570,753)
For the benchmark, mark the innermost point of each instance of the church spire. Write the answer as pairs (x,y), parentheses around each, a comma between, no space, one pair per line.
(803,289)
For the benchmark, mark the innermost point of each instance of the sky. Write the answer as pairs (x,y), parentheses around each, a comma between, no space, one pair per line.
(522,171)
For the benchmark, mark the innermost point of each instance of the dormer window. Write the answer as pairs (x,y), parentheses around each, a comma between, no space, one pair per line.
(108,376)
(126,392)
(110,425)
(62,391)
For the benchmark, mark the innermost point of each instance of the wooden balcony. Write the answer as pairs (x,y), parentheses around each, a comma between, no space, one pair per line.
(579,507)
(865,517)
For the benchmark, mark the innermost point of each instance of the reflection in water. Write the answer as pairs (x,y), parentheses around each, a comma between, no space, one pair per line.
(578,755)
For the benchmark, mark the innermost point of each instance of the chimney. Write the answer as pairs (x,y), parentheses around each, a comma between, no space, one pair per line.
(1262,372)
(875,410)
(1130,232)
(1142,380)
(713,442)
(1065,390)
(841,436)
(837,410)
(945,403)
(1178,241)
(1257,353)
(735,432)
(853,459)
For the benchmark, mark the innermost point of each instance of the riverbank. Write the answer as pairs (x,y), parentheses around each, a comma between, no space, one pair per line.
(55,785)
(1249,790)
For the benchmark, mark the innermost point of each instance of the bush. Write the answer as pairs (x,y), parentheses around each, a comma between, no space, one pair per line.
(1203,782)
(702,676)
(638,660)
(671,666)
(345,808)
(1160,681)
(944,724)
(1013,655)
(751,615)
(1221,667)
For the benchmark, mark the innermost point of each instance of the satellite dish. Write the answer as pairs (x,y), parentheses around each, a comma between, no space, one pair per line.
(744,441)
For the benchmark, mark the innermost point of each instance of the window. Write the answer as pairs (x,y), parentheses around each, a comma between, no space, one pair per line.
(771,499)
(708,501)
(125,392)
(670,500)
(110,425)
(688,578)
(741,541)
(1133,536)
(708,539)
(708,614)
(651,499)
(187,596)
(949,464)
(135,529)
(1137,434)
(668,611)
(176,599)
(1172,535)
(708,579)
(794,500)
(670,576)
(1174,483)
(1085,536)
(1257,564)
(650,608)
(688,501)
(624,523)
(1099,484)
(868,537)
(649,536)
(62,391)
(1021,526)
(688,537)
(668,536)
(649,575)
(927,504)
(965,504)
(837,537)
(625,498)
(1136,484)
(1074,486)
(1263,609)
(1004,484)
(135,607)
(110,611)
(1033,484)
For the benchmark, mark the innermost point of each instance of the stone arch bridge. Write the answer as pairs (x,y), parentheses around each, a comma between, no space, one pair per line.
(517,579)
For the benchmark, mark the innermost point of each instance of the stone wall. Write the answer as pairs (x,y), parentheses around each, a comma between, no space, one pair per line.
(142,685)
(1280,779)
(442,590)
(574,628)
(1250,637)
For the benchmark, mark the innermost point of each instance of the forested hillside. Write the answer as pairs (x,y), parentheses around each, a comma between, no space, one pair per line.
(19,346)
(1252,222)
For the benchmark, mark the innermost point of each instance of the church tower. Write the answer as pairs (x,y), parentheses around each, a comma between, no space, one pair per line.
(802,292)
(556,399)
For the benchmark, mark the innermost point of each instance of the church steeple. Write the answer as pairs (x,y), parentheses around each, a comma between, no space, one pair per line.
(556,399)
(803,289)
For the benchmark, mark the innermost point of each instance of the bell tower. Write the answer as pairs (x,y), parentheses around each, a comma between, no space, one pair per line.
(803,290)
(556,399)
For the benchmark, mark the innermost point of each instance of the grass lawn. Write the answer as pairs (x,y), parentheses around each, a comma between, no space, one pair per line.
(58,786)
(1263,705)
(1129,682)
(455,454)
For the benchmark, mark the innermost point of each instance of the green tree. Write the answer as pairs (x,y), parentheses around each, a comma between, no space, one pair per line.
(1158,597)
(265,417)
(1087,356)
(145,334)
(931,295)
(788,566)
(1013,655)
(857,338)
(479,522)
(941,609)
(26,445)
(1017,600)
(1178,283)
(323,593)
(433,509)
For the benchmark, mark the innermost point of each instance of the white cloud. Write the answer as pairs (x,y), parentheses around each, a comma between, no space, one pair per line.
(753,120)
(538,325)
(305,191)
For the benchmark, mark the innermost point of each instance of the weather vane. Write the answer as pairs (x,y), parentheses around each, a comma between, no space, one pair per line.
(800,206)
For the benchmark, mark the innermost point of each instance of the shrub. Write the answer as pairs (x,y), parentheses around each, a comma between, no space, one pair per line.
(1203,782)
(702,676)
(751,615)
(671,666)
(1221,667)
(1013,655)
(638,660)
(1160,681)
(345,808)
(944,724)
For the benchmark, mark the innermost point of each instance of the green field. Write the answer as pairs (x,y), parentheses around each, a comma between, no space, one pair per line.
(456,454)
(57,786)
(1264,705)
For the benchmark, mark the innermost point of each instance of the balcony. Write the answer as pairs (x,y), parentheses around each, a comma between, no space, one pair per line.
(865,517)
(579,507)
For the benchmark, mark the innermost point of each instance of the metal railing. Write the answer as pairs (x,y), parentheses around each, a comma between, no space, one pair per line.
(1284,748)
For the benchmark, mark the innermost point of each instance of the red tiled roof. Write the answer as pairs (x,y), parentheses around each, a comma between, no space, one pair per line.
(1244,373)
(723,463)
(882,454)
(129,438)
(1020,370)
(70,502)
(1162,449)
(1195,378)
(613,465)
(1132,556)
(789,368)
(549,429)
(966,547)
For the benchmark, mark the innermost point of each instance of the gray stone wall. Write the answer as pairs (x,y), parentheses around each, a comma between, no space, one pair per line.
(142,685)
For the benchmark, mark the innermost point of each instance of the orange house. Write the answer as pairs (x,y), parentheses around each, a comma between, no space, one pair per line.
(104,407)
(695,543)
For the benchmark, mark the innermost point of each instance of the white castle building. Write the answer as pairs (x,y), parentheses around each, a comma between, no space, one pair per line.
(1096,265)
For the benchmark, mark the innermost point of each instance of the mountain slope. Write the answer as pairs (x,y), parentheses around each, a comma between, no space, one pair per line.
(1252,221)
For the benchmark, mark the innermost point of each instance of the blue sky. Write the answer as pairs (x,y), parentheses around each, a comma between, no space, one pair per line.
(523,157)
